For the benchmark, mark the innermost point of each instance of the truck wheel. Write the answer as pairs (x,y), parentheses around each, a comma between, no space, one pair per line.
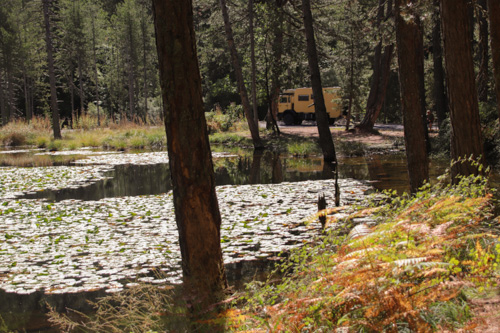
(298,121)
(289,119)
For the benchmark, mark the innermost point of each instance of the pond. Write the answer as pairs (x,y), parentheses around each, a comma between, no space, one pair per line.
(77,232)
(382,171)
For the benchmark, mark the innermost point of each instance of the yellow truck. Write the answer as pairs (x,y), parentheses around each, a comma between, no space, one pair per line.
(296,105)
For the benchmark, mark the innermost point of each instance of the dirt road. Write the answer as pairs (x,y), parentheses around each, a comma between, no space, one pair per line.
(389,135)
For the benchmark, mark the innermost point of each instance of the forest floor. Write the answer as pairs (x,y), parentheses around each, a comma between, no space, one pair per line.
(384,135)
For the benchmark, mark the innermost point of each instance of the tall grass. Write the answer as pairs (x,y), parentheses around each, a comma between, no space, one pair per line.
(119,134)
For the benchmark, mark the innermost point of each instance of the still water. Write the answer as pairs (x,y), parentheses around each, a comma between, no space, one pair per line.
(383,172)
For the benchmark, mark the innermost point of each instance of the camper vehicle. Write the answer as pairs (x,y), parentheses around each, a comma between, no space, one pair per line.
(296,105)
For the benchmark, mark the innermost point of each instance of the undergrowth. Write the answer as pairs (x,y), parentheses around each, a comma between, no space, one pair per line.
(408,273)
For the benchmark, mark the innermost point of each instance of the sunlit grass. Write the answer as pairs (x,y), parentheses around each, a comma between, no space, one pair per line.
(303,148)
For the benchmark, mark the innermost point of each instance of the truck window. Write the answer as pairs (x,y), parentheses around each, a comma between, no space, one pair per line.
(284,99)
(303,98)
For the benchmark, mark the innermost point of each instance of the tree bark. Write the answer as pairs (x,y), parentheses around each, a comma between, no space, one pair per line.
(131,90)
(409,37)
(252,60)
(3,109)
(27,107)
(276,68)
(439,91)
(494,16)
(96,76)
(145,69)
(10,93)
(131,71)
(466,139)
(196,208)
(380,78)
(482,76)
(52,77)
(254,129)
(71,94)
(322,118)
(80,85)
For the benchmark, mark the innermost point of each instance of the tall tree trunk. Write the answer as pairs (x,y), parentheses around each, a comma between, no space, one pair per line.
(466,139)
(10,93)
(252,60)
(196,208)
(439,92)
(276,68)
(145,69)
(80,85)
(71,94)
(52,77)
(96,76)
(131,73)
(494,16)
(131,90)
(482,76)
(322,118)
(409,36)
(3,109)
(27,107)
(254,129)
(380,78)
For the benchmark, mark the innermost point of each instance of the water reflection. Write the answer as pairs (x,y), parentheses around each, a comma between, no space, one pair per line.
(262,167)
(123,180)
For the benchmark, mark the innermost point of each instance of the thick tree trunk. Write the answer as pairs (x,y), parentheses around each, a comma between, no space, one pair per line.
(276,69)
(254,129)
(380,78)
(494,16)
(52,77)
(196,208)
(381,82)
(439,91)
(409,36)
(466,139)
(482,76)
(322,119)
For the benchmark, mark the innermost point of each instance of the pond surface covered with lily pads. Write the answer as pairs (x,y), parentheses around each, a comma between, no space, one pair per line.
(107,221)
(75,245)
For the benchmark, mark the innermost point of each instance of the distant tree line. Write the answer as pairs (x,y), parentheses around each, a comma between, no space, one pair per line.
(103,52)
(105,60)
